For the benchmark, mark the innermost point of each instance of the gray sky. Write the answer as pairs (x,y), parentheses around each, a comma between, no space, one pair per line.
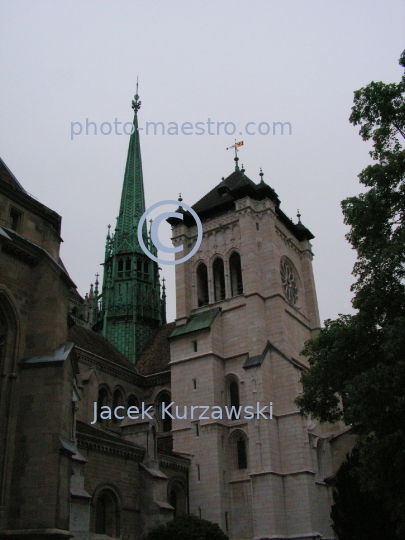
(230,61)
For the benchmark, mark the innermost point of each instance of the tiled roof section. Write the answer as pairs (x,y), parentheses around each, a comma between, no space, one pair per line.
(8,176)
(156,357)
(258,359)
(200,321)
(97,344)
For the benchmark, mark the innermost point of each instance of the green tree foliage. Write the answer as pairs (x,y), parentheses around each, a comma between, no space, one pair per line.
(357,515)
(357,362)
(187,528)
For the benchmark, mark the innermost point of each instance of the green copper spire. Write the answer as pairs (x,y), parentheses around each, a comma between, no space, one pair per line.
(131,307)
(132,204)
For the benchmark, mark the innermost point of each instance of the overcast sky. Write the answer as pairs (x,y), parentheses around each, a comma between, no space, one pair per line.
(227,61)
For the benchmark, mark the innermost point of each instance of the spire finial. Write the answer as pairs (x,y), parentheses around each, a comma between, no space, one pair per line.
(242,169)
(136,104)
(299,216)
(180,198)
(261,174)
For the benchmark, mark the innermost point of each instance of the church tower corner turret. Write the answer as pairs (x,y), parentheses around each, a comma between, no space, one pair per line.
(130,309)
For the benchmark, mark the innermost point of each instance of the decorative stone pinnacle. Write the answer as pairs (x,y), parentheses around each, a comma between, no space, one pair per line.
(299,216)
(261,174)
(180,198)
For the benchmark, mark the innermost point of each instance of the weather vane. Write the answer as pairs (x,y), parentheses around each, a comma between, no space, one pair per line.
(236,146)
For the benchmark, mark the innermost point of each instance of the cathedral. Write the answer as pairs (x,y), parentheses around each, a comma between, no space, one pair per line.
(245,305)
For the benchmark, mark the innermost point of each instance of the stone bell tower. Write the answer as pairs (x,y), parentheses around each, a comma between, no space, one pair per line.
(246,304)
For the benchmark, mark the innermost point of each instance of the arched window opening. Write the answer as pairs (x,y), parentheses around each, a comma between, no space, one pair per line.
(102,401)
(107,518)
(202,285)
(133,402)
(120,268)
(128,267)
(219,279)
(139,267)
(166,422)
(235,268)
(178,498)
(241,453)
(234,398)
(117,401)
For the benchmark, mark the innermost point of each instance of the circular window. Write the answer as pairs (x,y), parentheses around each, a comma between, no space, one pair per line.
(289,282)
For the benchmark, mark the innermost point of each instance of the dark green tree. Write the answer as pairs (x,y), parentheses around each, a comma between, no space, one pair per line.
(356,514)
(357,362)
(187,528)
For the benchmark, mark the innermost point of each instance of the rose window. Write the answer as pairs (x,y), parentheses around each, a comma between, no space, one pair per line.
(289,282)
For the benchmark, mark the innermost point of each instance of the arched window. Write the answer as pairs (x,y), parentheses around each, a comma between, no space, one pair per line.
(234,398)
(241,453)
(8,336)
(177,498)
(235,268)
(120,268)
(133,402)
(202,285)
(117,401)
(165,422)
(107,517)
(219,279)
(102,401)
(128,267)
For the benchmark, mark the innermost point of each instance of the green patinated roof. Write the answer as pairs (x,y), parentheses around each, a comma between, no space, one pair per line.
(199,321)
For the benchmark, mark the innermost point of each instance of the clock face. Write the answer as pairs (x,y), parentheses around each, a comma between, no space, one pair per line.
(289,282)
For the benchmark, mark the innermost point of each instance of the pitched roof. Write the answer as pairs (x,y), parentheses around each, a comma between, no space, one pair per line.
(94,431)
(199,321)
(221,199)
(8,176)
(156,357)
(97,344)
